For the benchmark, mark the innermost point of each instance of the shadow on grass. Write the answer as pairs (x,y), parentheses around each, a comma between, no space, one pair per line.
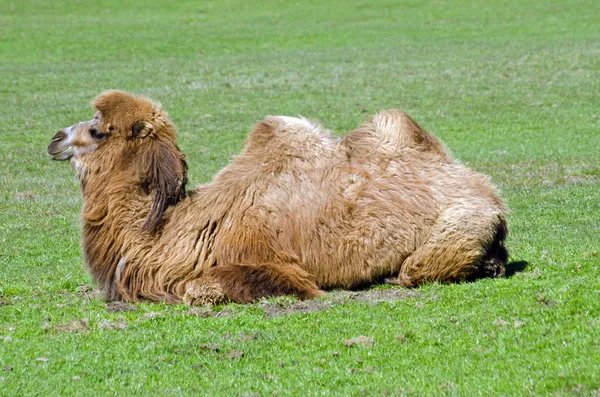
(512,268)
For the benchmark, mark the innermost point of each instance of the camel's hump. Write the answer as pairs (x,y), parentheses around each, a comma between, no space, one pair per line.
(391,131)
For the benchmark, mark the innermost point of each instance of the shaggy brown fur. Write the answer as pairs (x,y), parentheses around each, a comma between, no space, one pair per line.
(296,212)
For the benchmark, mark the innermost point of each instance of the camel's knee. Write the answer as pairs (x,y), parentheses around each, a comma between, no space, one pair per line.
(407,280)
(430,268)
(464,245)
(204,291)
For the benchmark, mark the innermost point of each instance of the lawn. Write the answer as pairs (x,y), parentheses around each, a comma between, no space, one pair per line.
(513,89)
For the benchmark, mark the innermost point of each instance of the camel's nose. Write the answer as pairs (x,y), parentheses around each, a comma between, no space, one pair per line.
(55,142)
(60,135)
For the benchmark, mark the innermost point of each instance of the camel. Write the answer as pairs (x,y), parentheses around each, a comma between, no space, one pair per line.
(297,212)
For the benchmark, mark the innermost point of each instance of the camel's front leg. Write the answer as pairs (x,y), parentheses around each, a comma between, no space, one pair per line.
(247,283)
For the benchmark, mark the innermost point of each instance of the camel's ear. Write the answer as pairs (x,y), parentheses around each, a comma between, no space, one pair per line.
(167,177)
(141,129)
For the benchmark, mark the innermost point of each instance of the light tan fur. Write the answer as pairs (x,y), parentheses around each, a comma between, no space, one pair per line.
(298,211)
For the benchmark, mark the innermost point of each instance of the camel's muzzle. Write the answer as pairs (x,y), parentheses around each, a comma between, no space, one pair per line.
(59,147)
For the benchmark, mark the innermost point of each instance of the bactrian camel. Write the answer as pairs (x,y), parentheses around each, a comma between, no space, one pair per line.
(298,211)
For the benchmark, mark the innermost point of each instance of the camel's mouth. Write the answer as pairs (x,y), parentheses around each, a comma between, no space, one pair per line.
(61,155)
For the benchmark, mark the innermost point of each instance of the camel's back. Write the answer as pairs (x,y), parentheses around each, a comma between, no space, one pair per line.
(359,204)
(348,210)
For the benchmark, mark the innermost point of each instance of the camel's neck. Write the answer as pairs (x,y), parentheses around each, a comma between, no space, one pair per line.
(113,216)
(129,262)
(120,252)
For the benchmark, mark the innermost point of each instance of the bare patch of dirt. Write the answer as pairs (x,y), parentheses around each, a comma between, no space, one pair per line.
(535,273)
(359,340)
(246,336)
(207,311)
(545,300)
(210,347)
(370,297)
(117,325)
(405,337)
(273,307)
(235,354)
(571,179)
(89,293)
(120,306)
(518,324)
(24,195)
(73,326)
(202,311)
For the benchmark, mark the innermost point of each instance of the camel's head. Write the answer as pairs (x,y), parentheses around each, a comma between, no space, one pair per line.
(121,119)
(130,136)
(78,140)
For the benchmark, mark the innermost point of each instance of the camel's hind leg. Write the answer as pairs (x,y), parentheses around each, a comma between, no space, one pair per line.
(464,245)
(247,283)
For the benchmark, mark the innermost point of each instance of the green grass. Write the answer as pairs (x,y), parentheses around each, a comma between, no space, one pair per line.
(511,87)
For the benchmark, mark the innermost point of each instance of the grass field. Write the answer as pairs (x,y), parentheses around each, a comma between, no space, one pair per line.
(513,88)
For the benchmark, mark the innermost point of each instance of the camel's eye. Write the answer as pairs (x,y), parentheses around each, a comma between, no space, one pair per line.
(97,134)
